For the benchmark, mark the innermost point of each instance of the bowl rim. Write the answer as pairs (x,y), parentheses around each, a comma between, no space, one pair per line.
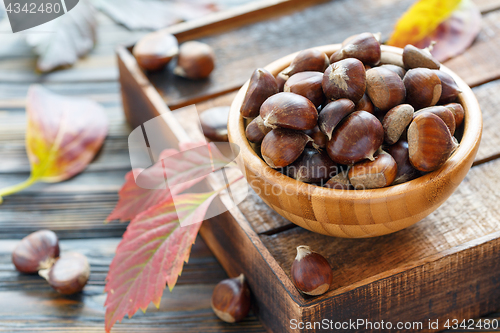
(468,145)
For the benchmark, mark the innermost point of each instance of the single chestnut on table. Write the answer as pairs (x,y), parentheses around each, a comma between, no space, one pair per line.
(214,123)
(231,299)
(36,251)
(311,273)
(155,50)
(196,60)
(69,275)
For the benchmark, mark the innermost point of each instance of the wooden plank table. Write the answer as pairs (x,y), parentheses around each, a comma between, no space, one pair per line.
(76,208)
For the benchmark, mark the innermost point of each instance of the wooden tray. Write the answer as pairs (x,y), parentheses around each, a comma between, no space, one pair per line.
(444,267)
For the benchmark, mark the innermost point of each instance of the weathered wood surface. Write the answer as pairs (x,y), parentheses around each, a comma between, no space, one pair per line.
(238,52)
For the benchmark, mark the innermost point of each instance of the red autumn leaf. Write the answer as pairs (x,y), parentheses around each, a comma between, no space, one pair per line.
(181,169)
(62,137)
(152,254)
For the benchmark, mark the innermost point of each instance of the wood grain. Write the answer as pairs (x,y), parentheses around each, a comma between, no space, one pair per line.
(489,99)
(471,212)
(486,6)
(240,51)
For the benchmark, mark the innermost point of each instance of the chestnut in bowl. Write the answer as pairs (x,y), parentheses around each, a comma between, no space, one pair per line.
(353,213)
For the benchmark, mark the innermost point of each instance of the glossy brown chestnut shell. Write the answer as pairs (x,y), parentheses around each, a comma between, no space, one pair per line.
(345,79)
(458,111)
(214,123)
(311,273)
(430,142)
(36,251)
(423,88)
(307,60)
(69,275)
(289,110)
(449,88)
(307,84)
(356,138)
(414,57)
(281,147)
(231,299)
(385,88)
(378,173)
(365,104)
(262,85)
(256,130)
(312,166)
(333,113)
(155,50)
(196,60)
(365,47)
(442,112)
(406,171)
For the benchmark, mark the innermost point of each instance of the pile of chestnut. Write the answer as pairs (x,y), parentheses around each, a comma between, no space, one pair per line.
(39,253)
(347,122)
(195,60)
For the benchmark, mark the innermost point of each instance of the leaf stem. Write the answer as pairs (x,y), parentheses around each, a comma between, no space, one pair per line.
(16,188)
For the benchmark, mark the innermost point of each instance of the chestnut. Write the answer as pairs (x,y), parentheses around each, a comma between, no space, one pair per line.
(155,50)
(281,80)
(307,84)
(365,47)
(430,142)
(69,275)
(442,112)
(413,57)
(356,138)
(312,166)
(289,110)
(378,173)
(214,123)
(365,104)
(262,85)
(458,112)
(311,273)
(256,130)
(281,146)
(396,69)
(423,87)
(345,79)
(395,122)
(36,251)
(406,172)
(231,299)
(340,181)
(385,88)
(449,88)
(196,60)
(333,113)
(319,139)
(307,60)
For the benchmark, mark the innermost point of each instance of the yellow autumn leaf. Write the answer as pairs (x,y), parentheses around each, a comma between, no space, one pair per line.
(421,20)
(62,137)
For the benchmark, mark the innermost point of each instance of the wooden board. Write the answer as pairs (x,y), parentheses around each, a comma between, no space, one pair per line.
(444,267)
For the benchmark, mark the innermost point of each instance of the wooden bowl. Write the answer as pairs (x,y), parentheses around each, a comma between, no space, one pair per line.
(357,214)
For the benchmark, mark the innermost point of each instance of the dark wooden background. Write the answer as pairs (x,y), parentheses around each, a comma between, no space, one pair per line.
(76,209)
